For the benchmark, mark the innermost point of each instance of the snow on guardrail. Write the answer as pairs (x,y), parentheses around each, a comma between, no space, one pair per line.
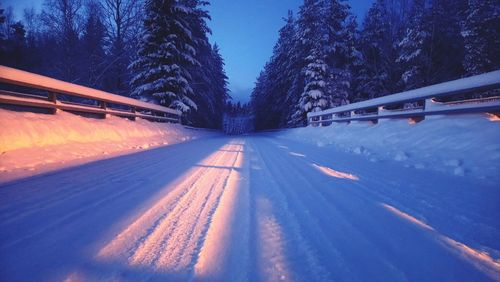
(17,77)
(481,82)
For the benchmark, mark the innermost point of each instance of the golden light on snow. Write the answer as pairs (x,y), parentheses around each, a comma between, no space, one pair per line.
(493,117)
(480,260)
(334,173)
(188,227)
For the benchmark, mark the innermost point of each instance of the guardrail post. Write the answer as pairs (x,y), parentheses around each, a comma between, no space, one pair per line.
(428,103)
(134,111)
(417,119)
(104,106)
(375,120)
(52,97)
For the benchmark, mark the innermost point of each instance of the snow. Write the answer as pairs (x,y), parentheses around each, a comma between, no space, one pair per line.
(459,145)
(266,207)
(36,143)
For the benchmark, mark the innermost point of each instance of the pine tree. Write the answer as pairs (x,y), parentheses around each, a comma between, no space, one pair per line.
(314,97)
(311,48)
(413,48)
(281,72)
(165,52)
(259,99)
(218,85)
(373,77)
(201,73)
(271,102)
(480,31)
(344,56)
(446,50)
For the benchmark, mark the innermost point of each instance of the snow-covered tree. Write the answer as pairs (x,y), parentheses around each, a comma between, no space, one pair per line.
(315,97)
(373,77)
(165,52)
(208,114)
(218,85)
(414,57)
(312,52)
(446,46)
(480,30)
(343,55)
(271,100)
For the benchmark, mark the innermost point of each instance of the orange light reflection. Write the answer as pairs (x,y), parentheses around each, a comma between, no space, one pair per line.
(334,173)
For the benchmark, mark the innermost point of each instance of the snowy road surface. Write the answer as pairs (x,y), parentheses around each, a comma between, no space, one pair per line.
(253,208)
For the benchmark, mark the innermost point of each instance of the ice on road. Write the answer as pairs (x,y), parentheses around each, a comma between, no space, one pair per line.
(253,208)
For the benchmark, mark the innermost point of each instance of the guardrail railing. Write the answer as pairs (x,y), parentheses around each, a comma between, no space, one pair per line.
(424,100)
(101,102)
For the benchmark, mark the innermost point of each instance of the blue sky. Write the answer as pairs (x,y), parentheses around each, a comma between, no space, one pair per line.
(246,31)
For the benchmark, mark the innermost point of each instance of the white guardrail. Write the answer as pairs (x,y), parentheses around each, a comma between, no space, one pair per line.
(375,109)
(107,103)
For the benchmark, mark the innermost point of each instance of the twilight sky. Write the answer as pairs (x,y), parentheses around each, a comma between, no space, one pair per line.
(245,30)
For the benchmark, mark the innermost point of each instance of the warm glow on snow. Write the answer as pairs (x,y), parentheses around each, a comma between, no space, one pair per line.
(493,117)
(197,212)
(337,174)
(480,260)
(33,143)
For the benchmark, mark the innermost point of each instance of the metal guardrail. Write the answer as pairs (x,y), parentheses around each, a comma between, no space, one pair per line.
(375,109)
(54,87)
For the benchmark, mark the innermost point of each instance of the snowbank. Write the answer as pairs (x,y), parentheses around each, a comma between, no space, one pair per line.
(461,145)
(32,143)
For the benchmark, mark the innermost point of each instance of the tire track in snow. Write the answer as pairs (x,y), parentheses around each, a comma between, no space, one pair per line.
(144,226)
(392,248)
(173,244)
(291,236)
(89,206)
(327,228)
(224,255)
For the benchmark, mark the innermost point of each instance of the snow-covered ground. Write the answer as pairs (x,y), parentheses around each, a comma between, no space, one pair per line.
(255,208)
(459,145)
(36,143)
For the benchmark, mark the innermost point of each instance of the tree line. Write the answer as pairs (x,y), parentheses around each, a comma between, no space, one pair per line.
(154,50)
(322,59)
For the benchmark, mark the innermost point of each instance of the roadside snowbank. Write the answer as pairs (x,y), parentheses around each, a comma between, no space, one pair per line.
(33,143)
(460,145)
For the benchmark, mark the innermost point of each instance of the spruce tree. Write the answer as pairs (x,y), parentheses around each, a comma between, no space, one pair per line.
(312,49)
(165,52)
(413,48)
(480,30)
(373,77)
(446,50)
(314,97)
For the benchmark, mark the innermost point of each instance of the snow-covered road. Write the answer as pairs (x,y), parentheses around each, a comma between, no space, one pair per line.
(254,208)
